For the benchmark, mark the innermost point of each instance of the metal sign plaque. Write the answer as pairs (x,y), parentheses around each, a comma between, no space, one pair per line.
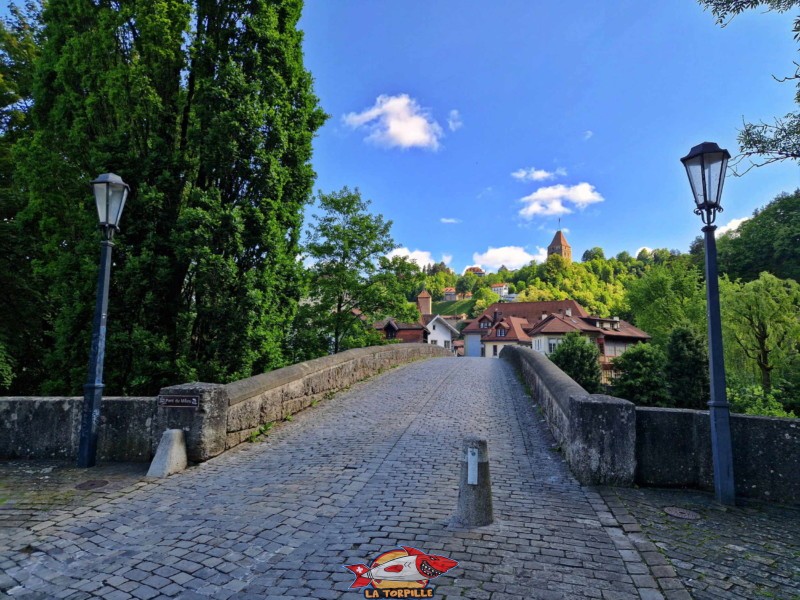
(179,401)
(472,466)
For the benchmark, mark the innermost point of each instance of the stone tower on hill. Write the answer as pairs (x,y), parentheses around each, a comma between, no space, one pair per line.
(560,246)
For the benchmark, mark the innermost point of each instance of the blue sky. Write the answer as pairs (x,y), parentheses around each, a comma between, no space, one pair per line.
(475,126)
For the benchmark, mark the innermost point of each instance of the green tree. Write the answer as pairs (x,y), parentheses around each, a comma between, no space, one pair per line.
(350,276)
(769,241)
(467,283)
(761,320)
(641,376)
(22,311)
(667,296)
(592,254)
(484,298)
(206,110)
(753,400)
(579,358)
(764,143)
(686,369)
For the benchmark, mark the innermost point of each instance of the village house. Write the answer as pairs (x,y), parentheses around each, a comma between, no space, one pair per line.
(475,271)
(543,325)
(501,289)
(429,329)
(450,294)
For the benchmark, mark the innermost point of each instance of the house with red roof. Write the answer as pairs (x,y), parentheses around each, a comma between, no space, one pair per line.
(429,329)
(450,294)
(543,325)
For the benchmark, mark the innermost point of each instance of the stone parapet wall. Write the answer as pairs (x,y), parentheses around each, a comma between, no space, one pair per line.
(674,450)
(33,427)
(225,415)
(597,433)
(229,414)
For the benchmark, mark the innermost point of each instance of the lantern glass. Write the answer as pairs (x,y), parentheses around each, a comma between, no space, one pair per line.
(705,165)
(110,193)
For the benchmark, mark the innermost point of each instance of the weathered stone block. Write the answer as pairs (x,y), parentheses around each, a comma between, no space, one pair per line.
(602,440)
(205,427)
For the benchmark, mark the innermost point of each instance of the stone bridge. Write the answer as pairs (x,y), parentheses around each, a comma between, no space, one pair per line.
(362,472)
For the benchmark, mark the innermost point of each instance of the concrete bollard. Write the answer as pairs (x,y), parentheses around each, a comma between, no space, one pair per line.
(475,486)
(170,456)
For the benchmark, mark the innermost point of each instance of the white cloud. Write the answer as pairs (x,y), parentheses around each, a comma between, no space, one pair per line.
(454,121)
(588,134)
(731,226)
(513,257)
(449,220)
(553,200)
(534,174)
(397,121)
(421,257)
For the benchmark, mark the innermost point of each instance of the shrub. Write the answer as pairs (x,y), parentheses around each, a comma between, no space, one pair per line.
(578,357)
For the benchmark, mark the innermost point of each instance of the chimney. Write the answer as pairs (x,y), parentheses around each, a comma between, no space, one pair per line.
(568,312)
(494,319)
(544,315)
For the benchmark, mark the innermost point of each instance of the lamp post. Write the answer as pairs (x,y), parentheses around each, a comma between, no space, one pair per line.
(705,165)
(110,193)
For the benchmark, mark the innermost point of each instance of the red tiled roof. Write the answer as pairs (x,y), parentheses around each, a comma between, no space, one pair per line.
(397,325)
(515,331)
(559,240)
(532,311)
(449,289)
(423,294)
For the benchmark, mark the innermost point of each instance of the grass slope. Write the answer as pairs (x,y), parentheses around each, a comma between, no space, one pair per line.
(454,307)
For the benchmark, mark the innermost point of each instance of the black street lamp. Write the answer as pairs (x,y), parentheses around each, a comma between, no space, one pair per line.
(705,165)
(110,193)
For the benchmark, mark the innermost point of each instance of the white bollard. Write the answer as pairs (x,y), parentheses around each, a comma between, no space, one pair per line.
(170,456)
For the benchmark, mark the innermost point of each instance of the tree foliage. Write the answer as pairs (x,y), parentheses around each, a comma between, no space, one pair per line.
(762,324)
(686,369)
(667,296)
(769,241)
(206,110)
(641,376)
(351,281)
(579,357)
(763,143)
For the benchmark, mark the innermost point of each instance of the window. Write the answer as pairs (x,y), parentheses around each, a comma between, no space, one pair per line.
(434,343)
(434,327)
(485,324)
(391,334)
(494,349)
(447,344)
(552,344)
(501,332)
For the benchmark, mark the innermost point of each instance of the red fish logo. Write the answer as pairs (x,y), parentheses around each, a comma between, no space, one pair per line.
(406,568)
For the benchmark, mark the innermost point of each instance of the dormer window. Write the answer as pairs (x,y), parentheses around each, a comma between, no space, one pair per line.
(501,332)
(485,324)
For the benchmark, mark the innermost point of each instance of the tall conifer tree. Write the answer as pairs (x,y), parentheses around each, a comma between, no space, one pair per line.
(205,109)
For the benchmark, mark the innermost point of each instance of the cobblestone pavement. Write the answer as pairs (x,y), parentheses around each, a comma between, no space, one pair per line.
(751,551)
(369,470)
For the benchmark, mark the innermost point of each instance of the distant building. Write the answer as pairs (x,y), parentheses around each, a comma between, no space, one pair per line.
(560,246)
(450,294)
(476,271)
(542,327)
(428,329)
(501,289)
